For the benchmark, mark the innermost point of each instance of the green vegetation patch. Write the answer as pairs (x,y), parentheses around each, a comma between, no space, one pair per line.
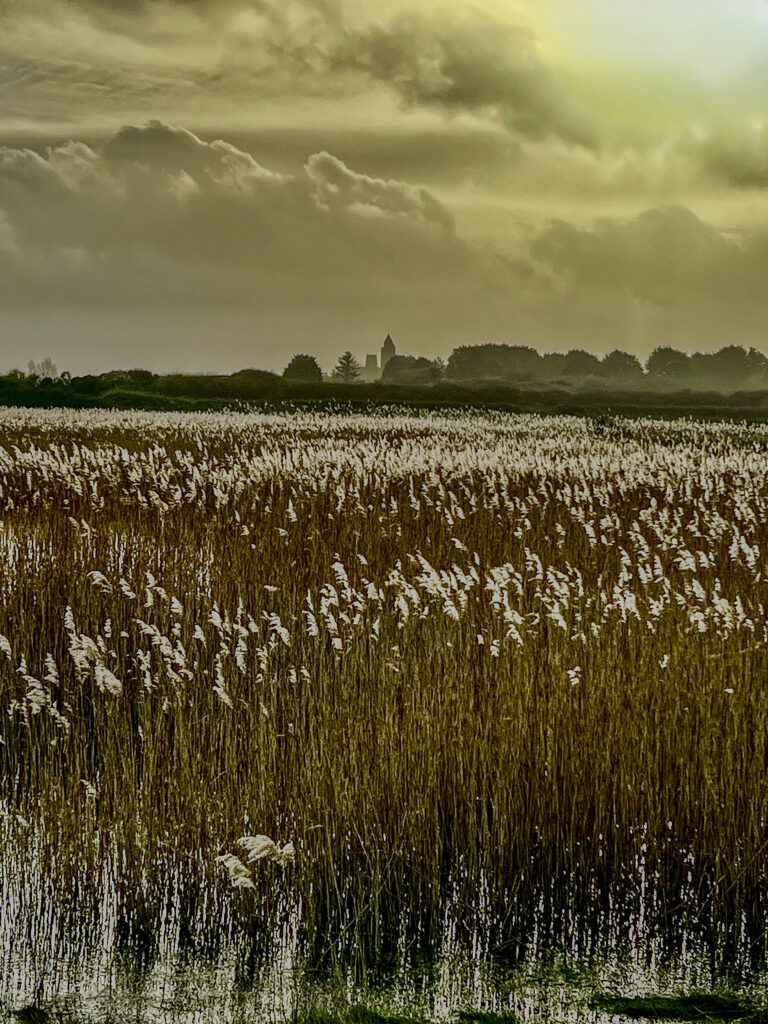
(31,1015)
(362,1015)
(353,1015)
(695,1006)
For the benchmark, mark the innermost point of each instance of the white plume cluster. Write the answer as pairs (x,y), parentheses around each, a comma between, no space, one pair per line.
(257,848)
(263,848)
(238,873)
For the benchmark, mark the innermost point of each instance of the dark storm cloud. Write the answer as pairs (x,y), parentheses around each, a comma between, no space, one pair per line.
(664,256)
(155,233)
(278,10)
(155,218)
(736,156)
(157,213)
(662,277)
(473,65)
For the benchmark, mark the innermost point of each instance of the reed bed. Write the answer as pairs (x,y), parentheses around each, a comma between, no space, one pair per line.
(501,680)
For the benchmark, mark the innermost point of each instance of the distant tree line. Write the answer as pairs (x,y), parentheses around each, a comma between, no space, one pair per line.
(732,368)
(508,376)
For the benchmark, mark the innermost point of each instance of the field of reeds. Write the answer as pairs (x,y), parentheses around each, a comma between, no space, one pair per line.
(502,681)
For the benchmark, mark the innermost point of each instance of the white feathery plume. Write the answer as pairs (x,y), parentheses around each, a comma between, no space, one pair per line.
(238,873)
(106,681)
(51,672)
(98,579)
(220,688)
(261,847)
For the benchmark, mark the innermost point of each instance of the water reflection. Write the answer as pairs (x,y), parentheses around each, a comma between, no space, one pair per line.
(78,957)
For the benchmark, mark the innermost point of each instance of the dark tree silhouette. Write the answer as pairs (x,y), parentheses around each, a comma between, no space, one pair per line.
(411,370)
(553,366)
(578,363)
(347,370)
(731,369)
(758,368)
(303,368)
(493,362)
(669,364)
(573,365)
(621,367)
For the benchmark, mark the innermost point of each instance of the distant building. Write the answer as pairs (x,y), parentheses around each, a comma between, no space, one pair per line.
(387,350)
(372,369)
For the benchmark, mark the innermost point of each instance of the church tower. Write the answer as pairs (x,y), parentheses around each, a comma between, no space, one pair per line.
(387,350)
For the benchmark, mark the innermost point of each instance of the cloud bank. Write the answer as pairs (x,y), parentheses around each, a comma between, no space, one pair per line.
(158,225)
(475,65)
(156,213)
(156,52)
(157,219)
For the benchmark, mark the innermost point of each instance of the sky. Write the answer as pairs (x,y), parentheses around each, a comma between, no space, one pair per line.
(207,185)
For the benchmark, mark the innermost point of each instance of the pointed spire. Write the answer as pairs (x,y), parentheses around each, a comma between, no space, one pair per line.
(387,350)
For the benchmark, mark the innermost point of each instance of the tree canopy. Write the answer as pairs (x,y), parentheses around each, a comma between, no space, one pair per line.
(411,370)
(347,369)
(303,367)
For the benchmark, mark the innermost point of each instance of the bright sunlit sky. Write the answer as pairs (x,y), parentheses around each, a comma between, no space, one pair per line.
(212,184)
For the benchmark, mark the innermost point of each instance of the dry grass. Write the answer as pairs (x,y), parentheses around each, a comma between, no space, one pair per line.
(505,670)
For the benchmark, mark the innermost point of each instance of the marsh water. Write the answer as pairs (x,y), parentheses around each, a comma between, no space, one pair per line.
(79,957)
(101,985)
